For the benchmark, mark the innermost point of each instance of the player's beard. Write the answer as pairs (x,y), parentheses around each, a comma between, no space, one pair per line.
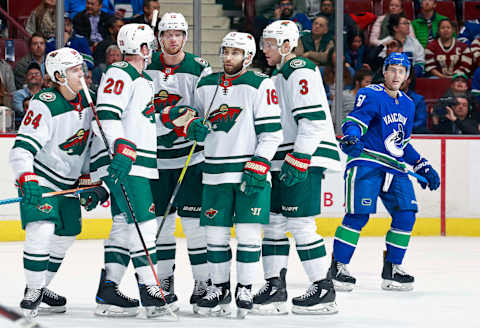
(174,51)
(234,70)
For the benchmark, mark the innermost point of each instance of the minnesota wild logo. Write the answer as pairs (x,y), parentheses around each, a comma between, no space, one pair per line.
(211,213)
(163,99)
(223,118)
(151,209)
(149,112)
(45,208)
(76,143)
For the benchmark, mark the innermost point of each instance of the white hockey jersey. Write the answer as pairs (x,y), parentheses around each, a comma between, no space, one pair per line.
(125,110)
(175,85)
(245,121)
(306,120)
(54,140)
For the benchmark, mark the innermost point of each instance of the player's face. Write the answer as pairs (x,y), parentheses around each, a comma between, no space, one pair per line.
(74,74)
(172,41)
(394,76)
(271,52)
(232,60)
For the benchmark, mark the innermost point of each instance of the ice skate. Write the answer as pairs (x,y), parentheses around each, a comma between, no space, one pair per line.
(244,300)
(395,278)
(31,300)
(217,301)
(318,299)
(272,297)
(168,286)
(199,291)
(343,281)
(111,302)
(52,303)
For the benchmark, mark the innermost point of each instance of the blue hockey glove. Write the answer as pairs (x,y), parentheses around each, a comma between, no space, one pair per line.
(351,145)
(254,177)
(424,168)
(294,168)
(28,183)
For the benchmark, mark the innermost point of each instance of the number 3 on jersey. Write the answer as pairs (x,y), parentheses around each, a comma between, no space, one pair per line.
(304,89)
(117,86)
(28,119)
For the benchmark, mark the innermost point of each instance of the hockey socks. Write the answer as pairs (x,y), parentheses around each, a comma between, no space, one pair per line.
(347,235)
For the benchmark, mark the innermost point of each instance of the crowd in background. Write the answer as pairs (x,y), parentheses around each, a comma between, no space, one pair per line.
(437,47)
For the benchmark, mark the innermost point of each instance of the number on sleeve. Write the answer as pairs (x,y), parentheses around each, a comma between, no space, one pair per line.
(272,97)
(303,83)
(117,89)
(360,100)
(28,119)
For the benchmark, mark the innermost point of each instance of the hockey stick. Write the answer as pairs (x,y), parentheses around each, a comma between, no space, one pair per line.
(75,192)
(185,167)
(390,163)
(127,199)
(17,318)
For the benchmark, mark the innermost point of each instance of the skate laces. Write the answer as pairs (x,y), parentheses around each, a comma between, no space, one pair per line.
(310,291)
(155,291)
(264,288)
(213,292)
(125,297)
(398,269)
(342,269)
(48,293)
(200,287)
(32,294)
(165,284)
(244,294)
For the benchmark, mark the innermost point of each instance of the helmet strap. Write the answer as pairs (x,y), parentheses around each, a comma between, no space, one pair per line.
(65,84)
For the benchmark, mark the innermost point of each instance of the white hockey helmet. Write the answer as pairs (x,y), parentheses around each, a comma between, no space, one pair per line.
(173,21)
(239,40)
(282,30)
(132,37)
(58,61)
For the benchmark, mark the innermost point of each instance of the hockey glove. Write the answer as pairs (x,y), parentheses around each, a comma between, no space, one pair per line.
(254,177)
(28,183)
(167,140)
(196,130)
(90,199)
(351,145)
(424,169)
(294,168)
(125,155)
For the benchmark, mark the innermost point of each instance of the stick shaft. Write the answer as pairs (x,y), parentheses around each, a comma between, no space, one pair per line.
(75,191)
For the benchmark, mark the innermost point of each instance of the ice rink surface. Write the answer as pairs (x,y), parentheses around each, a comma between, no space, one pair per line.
(446,294)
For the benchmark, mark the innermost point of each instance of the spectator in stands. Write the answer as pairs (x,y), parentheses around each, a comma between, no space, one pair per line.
(113,25)
(315,45)
(6,74)
(5,97)
(426,25)
(311,8)
(445,55)
(459,87)
(470,31)
(476,84)
(380,27)
(399,27)
(148,7)
(73,7)
(92,22)
(355,52)
(475,52)
(36,44)
(72,40)
(349,26)
(420,118)
(113,55)
(33,80)
(328,74)
(456,118)
(42,19)
(284,10)
(361,79)
(47,82)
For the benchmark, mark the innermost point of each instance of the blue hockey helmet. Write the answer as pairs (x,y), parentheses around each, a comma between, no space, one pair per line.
(397,58)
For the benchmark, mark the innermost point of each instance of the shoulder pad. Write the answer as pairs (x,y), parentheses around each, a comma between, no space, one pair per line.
(201,61)
(121,64)
(374,87)
(47,96)
(297,63)
(260,74)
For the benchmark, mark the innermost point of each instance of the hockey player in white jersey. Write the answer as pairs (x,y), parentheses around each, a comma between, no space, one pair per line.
(244,117)
(125,110)
(308,149)
(175,74)
(50,153)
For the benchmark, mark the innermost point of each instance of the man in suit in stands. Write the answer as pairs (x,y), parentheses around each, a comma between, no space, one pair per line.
(92,22)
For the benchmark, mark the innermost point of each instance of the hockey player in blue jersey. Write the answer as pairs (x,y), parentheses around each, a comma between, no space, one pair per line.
(381,122)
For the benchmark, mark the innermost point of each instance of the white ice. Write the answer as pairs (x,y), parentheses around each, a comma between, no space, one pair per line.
(446,294)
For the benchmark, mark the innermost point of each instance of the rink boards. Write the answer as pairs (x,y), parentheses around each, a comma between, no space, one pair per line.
(452,210)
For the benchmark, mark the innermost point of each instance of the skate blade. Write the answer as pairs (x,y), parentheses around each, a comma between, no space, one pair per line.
(275,308)
(162,313)
(108,310)
(30,314)
(221,310)
(320,309)
(397,286)
(174,307)
(195,308)
(342,286)
(46,309)
(242,313)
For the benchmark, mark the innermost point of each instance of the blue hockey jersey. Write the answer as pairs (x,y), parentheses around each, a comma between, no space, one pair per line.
(385,123)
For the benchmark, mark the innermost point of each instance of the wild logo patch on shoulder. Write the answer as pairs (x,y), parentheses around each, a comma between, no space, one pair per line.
(47,96)
(120,64)
(297,63)
(260,74)
(201,61)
